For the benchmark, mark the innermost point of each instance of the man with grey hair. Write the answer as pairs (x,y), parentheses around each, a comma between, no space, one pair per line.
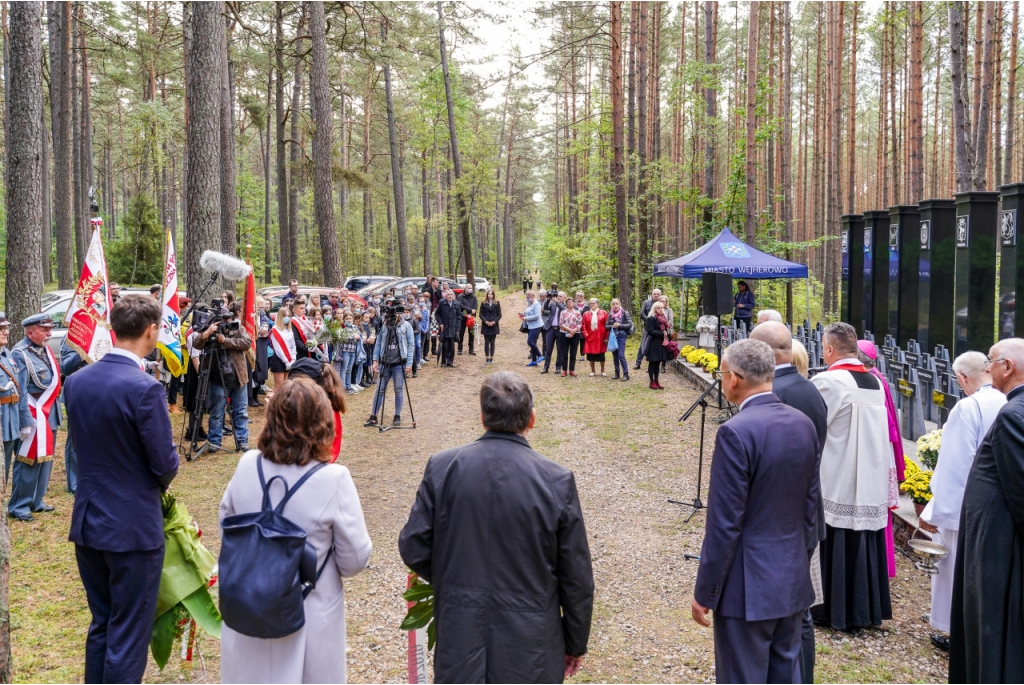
(768,315)
(855,462)
(794,390)
(987,614)
(962,434)
(754,568)
(498,531)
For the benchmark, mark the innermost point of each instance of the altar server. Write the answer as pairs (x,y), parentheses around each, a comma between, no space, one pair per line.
(962,434)
(987,616)
(855,464)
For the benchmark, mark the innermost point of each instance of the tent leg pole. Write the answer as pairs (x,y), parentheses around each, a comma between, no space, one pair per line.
(807,281)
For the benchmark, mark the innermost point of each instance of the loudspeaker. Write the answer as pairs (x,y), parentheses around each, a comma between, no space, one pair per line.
(717,291)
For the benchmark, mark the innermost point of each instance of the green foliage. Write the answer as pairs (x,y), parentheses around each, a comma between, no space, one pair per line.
(138,256)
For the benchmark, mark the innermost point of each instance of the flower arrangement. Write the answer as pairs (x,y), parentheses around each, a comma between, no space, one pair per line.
(695,356)
(687,349)
(928,449)
(917,483)
(710,363)
(701,358)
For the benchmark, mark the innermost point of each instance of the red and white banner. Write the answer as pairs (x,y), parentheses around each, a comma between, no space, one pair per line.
(88,316)
(249,318)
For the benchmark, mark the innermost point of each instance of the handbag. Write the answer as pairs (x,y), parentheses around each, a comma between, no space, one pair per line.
(267,568)
(672,348)
(524,328)
(613,342)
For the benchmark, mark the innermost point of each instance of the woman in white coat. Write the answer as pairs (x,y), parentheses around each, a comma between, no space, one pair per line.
(298,435)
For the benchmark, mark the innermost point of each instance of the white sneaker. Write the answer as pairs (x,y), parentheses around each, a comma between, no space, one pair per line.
(357,387)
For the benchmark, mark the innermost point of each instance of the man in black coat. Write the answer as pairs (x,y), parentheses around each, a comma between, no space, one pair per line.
(467,301)
(447,315)
(796,391)
(754,571)
(986,628)
(498,530)
(555,307)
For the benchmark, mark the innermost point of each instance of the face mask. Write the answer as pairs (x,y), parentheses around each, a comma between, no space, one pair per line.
(327,317)
(376,300)
(287,320)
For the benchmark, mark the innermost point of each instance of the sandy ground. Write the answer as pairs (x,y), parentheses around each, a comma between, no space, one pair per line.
(629,454)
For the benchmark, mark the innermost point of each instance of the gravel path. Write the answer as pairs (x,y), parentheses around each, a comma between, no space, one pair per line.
(629,455)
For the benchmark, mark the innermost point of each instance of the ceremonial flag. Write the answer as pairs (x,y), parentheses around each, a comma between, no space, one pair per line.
(249,321)
(169,340)
(88,316)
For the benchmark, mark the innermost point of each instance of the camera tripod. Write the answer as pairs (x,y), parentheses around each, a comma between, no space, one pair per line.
(391,337)
(202,395)
(701,402)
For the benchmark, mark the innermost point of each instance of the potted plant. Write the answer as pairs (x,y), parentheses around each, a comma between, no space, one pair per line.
(928,449)
(917,485)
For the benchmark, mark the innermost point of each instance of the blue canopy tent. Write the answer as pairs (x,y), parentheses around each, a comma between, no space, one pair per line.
(728,254)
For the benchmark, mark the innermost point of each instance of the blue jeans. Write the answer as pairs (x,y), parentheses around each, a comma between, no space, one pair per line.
(239,414)
(416,356)
(29,486)
(347,360)
(619,355)
(531,341)
(397,373)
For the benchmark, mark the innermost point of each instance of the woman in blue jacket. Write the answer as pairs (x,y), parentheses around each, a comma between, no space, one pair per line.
(534,322)
(744,304)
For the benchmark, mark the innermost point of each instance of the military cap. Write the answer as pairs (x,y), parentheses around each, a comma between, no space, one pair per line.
(41,319)
(3,319)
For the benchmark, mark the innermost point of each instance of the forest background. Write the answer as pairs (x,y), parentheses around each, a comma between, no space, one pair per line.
(617,135)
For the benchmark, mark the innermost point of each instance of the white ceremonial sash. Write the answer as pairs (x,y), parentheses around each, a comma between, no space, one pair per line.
(281,347)
(32,448)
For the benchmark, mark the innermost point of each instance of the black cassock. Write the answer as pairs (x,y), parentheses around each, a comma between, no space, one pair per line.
(498,530)
(986,637)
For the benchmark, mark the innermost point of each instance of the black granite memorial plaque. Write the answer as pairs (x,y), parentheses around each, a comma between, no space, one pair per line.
(977,226)
(907,223)
(852,303)
(876,227)
(1011,268)
(935,290)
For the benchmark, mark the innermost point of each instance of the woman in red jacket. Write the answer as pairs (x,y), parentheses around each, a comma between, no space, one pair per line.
(595,335)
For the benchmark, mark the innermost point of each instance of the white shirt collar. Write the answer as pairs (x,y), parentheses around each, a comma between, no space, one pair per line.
(782,366)
(848,360)
(120,351)
(750,397)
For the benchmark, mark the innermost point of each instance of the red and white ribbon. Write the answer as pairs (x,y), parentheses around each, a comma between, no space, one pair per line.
(33,448)
(281,348)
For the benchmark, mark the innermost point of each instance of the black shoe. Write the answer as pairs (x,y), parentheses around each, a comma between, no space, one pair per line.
(941,641)
(472,353)
(636,367)
(460,353)
(43,509)
(243,447)
(625,377)
(616,376)
(414,374)
(255,403)
(210,449)
(397,421)
(27,518)
(545,371)
(370,422)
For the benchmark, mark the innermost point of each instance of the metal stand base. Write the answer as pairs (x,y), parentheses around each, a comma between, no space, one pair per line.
(696,504)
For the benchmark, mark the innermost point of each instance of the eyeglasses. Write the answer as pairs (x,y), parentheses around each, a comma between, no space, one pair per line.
(725,371)
(990,362)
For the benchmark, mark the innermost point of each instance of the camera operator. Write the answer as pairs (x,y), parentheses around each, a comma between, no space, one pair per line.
(229,377)
(393,355)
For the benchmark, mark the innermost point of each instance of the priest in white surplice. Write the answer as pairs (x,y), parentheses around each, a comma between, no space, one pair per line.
(968,422)
(855,465)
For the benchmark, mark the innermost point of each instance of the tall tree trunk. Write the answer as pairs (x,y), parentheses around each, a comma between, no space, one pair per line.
(76,142)
(24,207)
(323,192)
(618,166)
(287,261)
(851,120)
(1011,96)
(996,167)
(916,113)
(425,208)
(404,262)
(981,132)
(642,201)
(46,243)
(785,147)
(367,196)
(228,201)
(296,152)
(710,98)
(631,118)
(59,16)
(205,64)
(265,148)
(750,216)
(963,152)
(463,215)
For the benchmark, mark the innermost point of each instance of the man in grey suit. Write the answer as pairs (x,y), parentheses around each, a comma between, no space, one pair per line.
(761,518)
(498,530)
(796,391)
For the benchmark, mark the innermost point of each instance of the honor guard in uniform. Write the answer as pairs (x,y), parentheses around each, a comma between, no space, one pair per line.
(70,361)
(39,408)
(10,421)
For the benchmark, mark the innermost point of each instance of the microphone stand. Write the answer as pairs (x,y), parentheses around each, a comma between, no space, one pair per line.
(701,402)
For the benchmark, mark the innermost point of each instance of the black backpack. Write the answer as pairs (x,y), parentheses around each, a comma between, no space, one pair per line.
(267,568)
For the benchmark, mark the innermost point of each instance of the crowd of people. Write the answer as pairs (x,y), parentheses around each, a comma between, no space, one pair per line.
(799,531)
(570,329)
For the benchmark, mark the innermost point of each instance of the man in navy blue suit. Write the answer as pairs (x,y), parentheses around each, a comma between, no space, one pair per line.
(126,459)
(761,518)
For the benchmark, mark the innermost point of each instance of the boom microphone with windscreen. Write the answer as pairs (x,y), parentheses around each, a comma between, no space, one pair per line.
(225,265)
